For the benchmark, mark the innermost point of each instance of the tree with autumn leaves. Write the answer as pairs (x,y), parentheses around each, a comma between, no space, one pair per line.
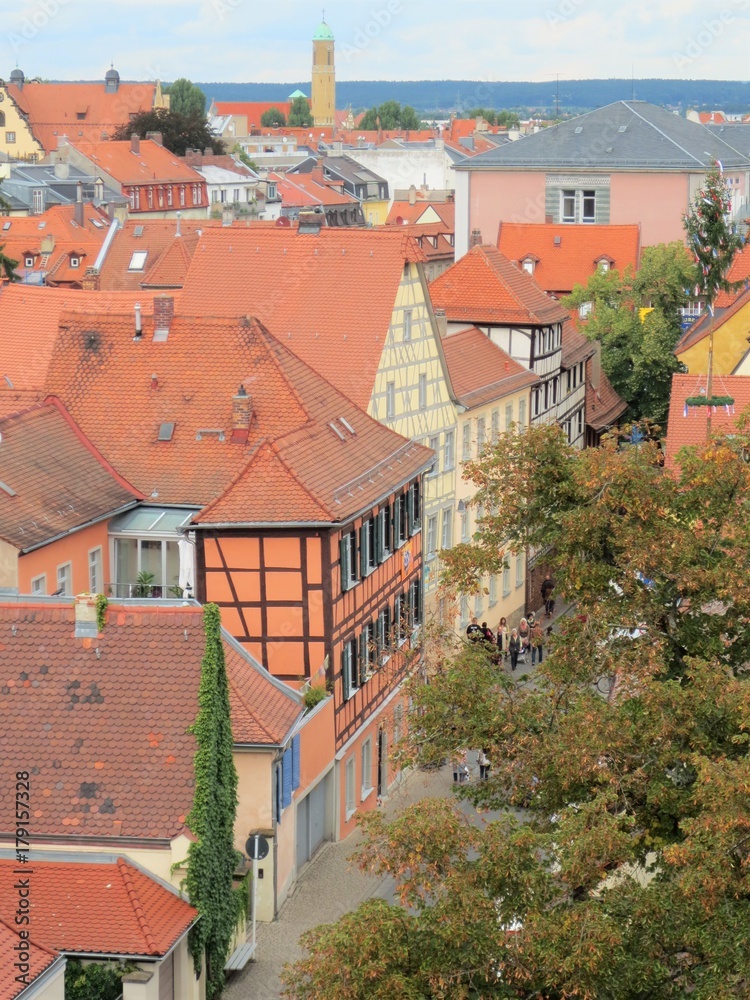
(619,868)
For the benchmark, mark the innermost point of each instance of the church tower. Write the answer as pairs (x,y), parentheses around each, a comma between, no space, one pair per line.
(323,77)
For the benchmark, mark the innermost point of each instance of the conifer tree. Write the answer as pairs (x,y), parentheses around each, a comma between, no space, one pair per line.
(212,858)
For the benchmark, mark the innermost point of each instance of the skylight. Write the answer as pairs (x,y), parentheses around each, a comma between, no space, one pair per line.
(6,226)
(138,231)
(138,260)
(166,431)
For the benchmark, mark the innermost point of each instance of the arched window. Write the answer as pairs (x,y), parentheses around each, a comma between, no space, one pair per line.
(2,119)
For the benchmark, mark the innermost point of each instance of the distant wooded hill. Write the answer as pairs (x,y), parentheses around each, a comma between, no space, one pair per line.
(443,96)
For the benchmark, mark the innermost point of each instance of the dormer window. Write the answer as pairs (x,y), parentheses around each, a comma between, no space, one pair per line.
(75,261)
(528,265)
(604,263)
(584,309)
(28,261)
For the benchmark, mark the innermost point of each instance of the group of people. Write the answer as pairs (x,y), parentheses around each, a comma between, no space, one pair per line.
(461,770)
(515,643)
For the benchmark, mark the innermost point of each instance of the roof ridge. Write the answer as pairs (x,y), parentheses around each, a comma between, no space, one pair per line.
(250,711)
(662,133)
(140,915)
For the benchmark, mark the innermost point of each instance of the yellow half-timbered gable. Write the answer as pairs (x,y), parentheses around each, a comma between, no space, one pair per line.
(16,138)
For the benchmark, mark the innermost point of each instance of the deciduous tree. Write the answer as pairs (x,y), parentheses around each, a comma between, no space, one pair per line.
(186,99)
(179,132)
(273,118)
(300,115)
(390,115)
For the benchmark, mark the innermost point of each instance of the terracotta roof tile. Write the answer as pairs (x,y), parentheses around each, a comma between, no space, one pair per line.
(603,406)
(290,292)
(106,724)
(480,371)
(58,480)
(99,908)
(571,261)
(190,380)
(53,108)
(153,163)
(52,239)
(252,110)
(687,425)
(575,346)
(40,958)
(485,288)
(302,190)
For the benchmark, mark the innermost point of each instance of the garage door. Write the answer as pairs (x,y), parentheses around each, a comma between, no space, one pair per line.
(312,828)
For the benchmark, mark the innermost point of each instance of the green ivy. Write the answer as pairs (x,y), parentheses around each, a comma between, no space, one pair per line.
(212,858)
(314,696)
(94,981)
(101,611)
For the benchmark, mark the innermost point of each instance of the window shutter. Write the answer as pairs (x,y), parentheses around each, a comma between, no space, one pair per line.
(378,539)
(354,654)
(363,554)
(344,561)
(286,779)
(295,763)
(346,678)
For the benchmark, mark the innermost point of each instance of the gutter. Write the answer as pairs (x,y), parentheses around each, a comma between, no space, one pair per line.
(114,226)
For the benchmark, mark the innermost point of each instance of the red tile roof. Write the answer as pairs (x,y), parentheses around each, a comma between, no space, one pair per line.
(603,406)
(291,292)
(29,321)
(40,958)
(252,110)
(98,908)
(108,730)
(434,240)
(53,108)
(153,164)
(404,213)
(52,238)
(687,425)
(574,259)
(480,371)
(485,288)
(575,346)
(302,190)
(57,480)
(190,380)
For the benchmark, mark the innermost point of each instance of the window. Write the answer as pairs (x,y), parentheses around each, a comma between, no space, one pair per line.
(367,548)
(39,584)
(154,550)
(366,653)
(464,611)
(169,196)
(495,426)
(422,392)
(38,201)
(528,265)
(493,590)
(519,569)
(150,197)
(214,197)
(580,422)
(28,262)
(10,136)
(278,783)
(197,197)
(348,561)
(75,262)
(383,534)
(350,786)
(407,324)
(466,442)
(414,508)
(390,400)
(182,196)
(223,197)
(414,606)
(537,401)
(434,445)
(236,195)
(481,433)
(349,676)
(521,414)
(589,206)
(446,532)
(398,619)
(478,606)
(449,453)
(382,636)
(604,265)
(465,526)
(366,768)
(65,579)
(508,416)
(568,206)
(506,580)
(431,537)
(138,260)
(95,571)
(400,521)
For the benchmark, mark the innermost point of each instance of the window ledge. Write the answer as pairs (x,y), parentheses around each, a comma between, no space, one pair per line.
(352,692)
(384,660)
(349,813)
(366,793)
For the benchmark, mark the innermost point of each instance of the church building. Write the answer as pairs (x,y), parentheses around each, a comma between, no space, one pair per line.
(323,77)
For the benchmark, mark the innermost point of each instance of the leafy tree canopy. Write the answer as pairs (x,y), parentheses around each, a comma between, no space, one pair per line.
(390,115)
(186,99)
(637,348)
(179,132)
(300,115)
(619,866)
(273,118)
(509,119)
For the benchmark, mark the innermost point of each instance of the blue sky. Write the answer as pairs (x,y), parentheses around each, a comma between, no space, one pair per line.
(242,40)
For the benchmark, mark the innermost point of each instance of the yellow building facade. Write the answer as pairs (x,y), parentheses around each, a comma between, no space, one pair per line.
(731,342)
(16,138)
(323,94)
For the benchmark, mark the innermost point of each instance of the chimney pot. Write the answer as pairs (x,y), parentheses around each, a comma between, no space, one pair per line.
(135,144)
(85,616)
(138,321)
(242,413)
(441,319)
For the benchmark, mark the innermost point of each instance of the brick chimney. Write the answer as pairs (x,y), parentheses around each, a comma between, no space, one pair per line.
(317,172)
(135,144)
(155,137)
(227,217)
(441,321)
(90,280)
(86,623)
(163,316)
(476,238)
(242,414)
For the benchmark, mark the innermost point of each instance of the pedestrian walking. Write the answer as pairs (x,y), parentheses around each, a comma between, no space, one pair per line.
(489,635)
(536,640)
(503,637)
(484,765)
(514,648)
(474,630)
(524,631)
(460,767)
(548,595)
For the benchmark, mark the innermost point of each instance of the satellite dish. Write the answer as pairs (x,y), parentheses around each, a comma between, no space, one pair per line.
(283,222)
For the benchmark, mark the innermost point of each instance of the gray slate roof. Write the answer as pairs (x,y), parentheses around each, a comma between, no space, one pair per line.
(626,135)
